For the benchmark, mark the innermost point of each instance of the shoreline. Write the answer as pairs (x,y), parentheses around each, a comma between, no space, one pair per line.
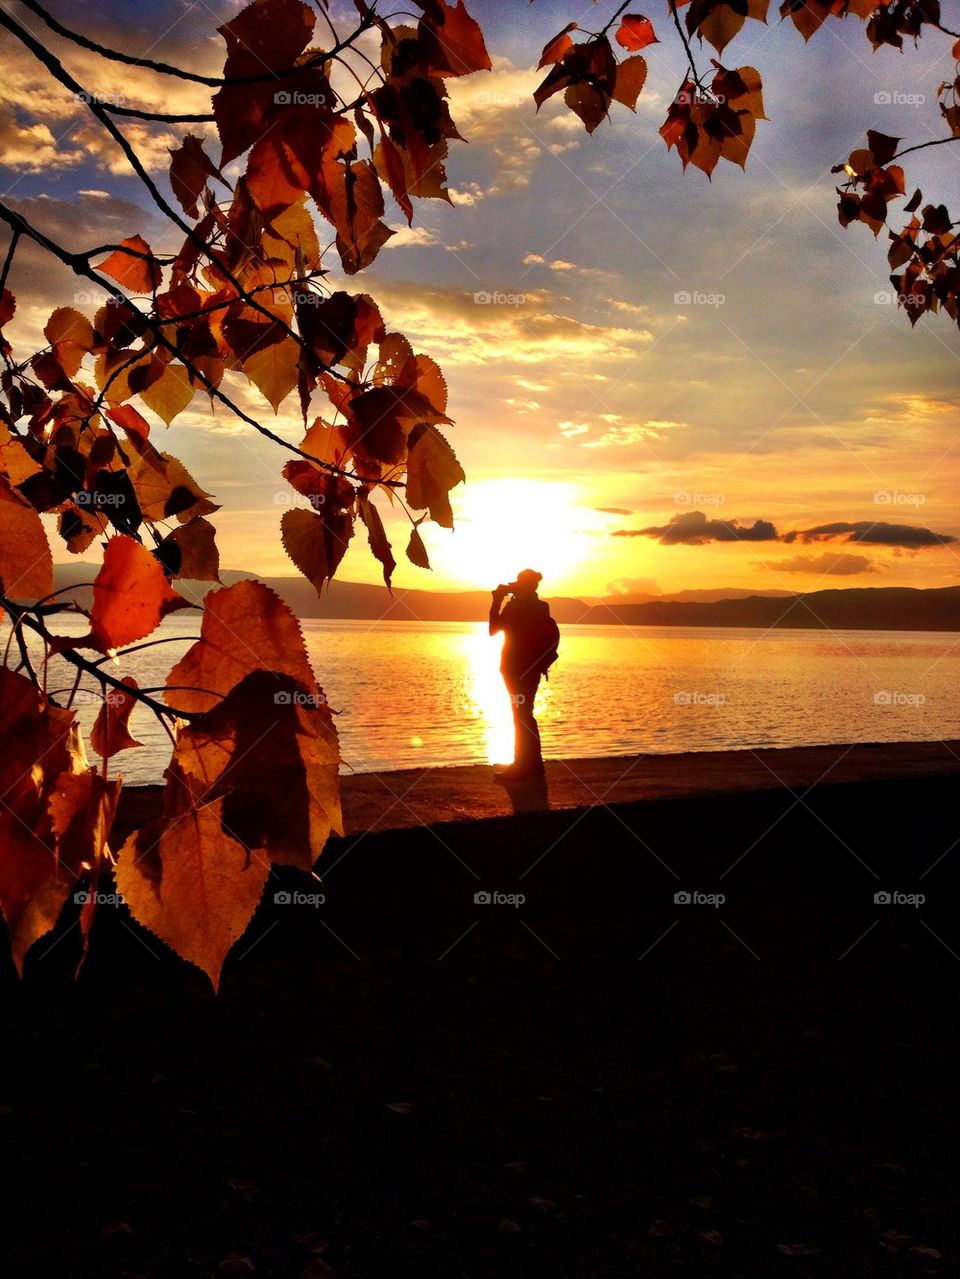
(404,799)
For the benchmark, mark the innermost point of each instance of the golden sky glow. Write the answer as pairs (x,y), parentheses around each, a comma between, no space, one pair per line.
(623,343)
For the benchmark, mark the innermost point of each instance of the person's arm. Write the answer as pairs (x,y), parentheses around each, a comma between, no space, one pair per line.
(496,619)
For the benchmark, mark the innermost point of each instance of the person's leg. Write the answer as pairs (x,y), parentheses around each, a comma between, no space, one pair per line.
(528,754)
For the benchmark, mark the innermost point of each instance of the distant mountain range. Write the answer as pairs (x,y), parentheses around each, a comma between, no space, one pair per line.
(895,608)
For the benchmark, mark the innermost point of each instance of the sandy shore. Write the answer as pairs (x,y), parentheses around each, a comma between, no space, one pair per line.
(682,1023)
(406,798)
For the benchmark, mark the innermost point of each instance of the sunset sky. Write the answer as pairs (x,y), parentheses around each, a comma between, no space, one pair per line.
(597,410)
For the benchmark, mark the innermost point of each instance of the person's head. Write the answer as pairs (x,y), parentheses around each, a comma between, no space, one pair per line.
(526,583)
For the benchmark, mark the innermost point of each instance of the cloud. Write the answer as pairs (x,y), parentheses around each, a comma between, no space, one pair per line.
(613,510)
(631,590)
(409,237)
(873,533)
(693,528)
(621,433)
(837,565)
(518,328)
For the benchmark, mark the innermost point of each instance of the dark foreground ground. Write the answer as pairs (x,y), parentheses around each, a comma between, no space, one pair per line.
(596,1082)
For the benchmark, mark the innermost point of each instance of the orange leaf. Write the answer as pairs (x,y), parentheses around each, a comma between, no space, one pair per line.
(191,883)
(26,564)
(246,627)
(131,595)
(109,733)
(555,49)
(631,77)
(136,270)
(37,873)
(636,32)
(268,737)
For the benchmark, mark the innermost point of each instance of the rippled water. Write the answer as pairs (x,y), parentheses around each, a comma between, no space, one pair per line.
(411,694)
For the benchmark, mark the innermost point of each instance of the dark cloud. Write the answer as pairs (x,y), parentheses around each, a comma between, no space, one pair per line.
(832,565)
(871,532)
(693,528)
(613,510)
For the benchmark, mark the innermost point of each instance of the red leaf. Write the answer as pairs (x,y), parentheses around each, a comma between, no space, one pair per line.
(636,32)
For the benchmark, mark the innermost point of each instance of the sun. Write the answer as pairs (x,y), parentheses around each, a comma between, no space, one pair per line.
(505,525)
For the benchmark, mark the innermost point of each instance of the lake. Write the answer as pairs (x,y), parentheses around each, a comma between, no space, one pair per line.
(413,695)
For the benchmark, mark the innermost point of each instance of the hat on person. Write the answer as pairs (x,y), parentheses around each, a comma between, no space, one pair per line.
(529,579)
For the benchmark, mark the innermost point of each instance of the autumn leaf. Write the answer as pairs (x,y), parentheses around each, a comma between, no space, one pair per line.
(133,266)
(71,335)
(26,562)
(246,627)
(131,595)
(190,167)
(316,542)
(190,551)
(416,551)
(269,736)
(432,471)
(273,370)
(110,733)
(191,883)
(631,77)
(170,393)
(41,854)
(556,48)
(377,536)
(636,32)
(454,46)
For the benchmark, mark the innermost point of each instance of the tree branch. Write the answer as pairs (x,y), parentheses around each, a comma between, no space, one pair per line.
(79,265)
(164,68)
(23,617)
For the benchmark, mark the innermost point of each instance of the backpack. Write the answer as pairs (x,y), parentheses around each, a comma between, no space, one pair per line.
(548,642)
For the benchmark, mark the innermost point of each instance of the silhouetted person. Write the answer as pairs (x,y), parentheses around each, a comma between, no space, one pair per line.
(530,639)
